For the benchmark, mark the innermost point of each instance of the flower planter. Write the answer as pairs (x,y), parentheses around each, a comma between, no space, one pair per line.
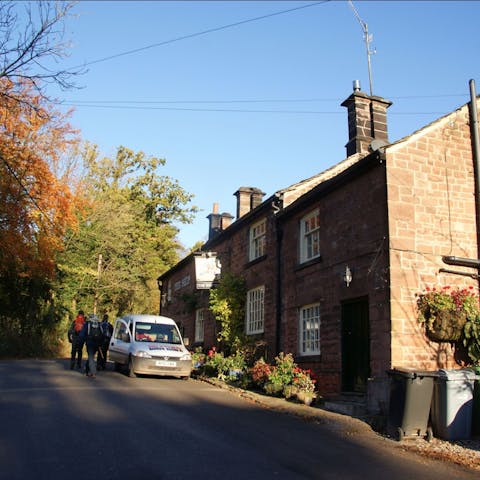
(446,326)
(305,397)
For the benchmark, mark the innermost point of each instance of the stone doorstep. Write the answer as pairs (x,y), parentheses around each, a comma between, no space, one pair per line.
(354,406)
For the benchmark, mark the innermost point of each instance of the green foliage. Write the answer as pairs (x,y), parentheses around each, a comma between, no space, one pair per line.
(32,323)
(471,339)
(129,221)
(227,303)
(198,358)
(229,369)
(285,378)
(281,374)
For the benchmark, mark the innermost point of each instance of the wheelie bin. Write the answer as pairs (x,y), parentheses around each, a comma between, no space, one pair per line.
(476,404)
(410,399)
(452,404)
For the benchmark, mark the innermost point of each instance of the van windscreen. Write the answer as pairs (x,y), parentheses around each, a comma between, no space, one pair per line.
(157,332)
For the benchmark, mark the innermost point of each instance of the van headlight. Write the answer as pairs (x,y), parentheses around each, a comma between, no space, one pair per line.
(143,354)
(187,356)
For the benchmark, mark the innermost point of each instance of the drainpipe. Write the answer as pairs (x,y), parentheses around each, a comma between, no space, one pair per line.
(476,155)
(279,289)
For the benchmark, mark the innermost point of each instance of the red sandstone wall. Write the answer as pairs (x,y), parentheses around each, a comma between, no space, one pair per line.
(431,199)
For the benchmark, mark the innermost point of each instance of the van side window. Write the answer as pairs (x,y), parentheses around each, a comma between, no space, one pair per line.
(121,332)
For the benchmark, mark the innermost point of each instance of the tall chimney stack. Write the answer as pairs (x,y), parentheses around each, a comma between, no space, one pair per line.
(367,120)
(247,199)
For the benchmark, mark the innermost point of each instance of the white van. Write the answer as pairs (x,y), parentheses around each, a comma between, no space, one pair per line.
(151,345)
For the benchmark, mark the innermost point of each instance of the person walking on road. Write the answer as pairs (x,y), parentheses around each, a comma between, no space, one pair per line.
(92,335)
(74,339)
(107,328)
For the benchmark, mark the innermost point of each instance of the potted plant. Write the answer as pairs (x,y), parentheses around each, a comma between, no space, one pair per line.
(304,385)
(445,311)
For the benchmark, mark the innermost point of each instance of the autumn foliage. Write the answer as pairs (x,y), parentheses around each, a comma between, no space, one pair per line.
(36,207)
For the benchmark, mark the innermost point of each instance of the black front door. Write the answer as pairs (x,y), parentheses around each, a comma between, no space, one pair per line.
(355,346)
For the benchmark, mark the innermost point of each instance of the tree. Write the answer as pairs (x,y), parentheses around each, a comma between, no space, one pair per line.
(31,46)
(130,224)
(36,204)
(227,303)
(36,210)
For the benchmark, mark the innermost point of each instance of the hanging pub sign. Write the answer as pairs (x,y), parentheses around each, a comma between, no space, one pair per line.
(207,269)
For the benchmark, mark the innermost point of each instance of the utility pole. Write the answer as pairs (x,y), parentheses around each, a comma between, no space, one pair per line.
(99,270)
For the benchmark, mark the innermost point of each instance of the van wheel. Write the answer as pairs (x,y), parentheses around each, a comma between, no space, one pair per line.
(185,378)
(131,372)
(117,366)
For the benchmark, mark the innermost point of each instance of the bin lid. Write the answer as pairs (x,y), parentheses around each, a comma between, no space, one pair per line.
(457,375)
(411,372)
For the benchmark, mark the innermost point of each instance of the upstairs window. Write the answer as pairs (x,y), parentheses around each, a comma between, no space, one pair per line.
(257,243)
(310,236)
(309,330)
(255,311)
(199,324)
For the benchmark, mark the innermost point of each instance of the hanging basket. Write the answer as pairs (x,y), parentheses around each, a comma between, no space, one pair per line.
(446,326)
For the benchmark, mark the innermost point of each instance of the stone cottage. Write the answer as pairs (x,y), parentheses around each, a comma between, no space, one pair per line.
(332,264)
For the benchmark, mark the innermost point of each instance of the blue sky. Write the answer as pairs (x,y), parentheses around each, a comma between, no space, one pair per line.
(239,94)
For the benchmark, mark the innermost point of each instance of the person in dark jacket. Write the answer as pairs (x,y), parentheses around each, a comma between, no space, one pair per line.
(74,339)
(92,335)
(107,328)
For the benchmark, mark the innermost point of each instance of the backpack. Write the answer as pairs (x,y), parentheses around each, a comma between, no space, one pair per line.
(107,330)
(95,332)
(78,323)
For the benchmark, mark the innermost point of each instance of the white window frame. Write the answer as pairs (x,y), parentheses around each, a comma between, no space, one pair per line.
(258,240)
(200,325)
(310,236)
(254,319)
(309,321)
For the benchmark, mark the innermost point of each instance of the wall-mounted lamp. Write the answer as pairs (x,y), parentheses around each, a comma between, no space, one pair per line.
(347,276)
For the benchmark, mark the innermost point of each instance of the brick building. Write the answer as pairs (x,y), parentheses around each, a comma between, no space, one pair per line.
(332,264)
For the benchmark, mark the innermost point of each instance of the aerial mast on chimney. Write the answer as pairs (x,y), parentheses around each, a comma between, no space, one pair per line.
(368,39)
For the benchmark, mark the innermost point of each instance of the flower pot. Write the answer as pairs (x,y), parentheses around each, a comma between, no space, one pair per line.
(290,391)
(446,326)
(305,397)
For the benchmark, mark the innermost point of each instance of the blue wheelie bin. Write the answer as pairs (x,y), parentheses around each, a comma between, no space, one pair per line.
(452,404)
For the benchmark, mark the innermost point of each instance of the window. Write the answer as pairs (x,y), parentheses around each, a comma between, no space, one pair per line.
(309,330)
(257,240)
(121,331)
(199,324)
(310,236)
(254,317)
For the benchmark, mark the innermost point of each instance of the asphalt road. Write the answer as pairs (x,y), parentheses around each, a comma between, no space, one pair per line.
(58,424)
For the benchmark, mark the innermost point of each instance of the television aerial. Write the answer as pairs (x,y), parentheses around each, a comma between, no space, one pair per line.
(368,39)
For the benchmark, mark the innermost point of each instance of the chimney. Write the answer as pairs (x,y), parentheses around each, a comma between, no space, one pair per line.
(218,222)
(367,120)
(214,222)
(226,220)
(247,199)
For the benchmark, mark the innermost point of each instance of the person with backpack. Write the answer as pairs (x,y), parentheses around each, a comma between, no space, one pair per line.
(92,335)
(107,328)
(74,339)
